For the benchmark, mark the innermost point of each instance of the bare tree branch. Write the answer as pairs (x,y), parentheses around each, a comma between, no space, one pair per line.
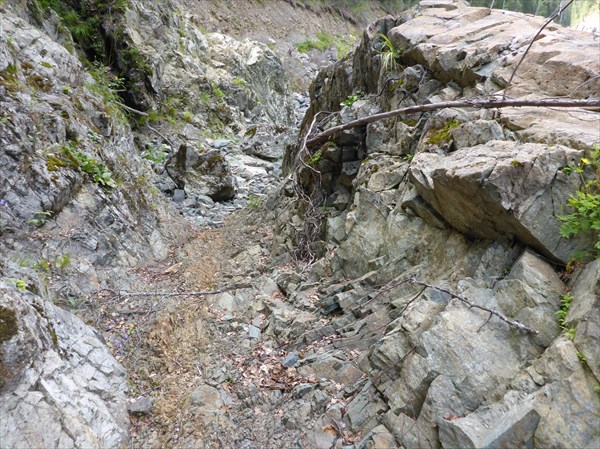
(321,138)
(513,323)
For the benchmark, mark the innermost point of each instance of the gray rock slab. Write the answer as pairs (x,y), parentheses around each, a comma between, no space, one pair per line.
(503,189)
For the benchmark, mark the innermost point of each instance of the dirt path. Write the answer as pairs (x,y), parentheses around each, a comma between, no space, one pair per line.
(172,345)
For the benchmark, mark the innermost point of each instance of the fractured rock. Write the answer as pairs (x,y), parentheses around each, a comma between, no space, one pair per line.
(503,190)
(202,173)
(58,374)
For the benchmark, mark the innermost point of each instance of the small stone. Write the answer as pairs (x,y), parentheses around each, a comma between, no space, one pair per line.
(189,202)
(221,143)
(253,332)
(179,196)
(206,201)
(290,360)
(142,406)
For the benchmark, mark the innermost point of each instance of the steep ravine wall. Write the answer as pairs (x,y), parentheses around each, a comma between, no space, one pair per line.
(82,177)
(465,200)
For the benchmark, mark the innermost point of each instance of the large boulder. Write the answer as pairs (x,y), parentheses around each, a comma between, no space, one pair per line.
(502,190)
(59,384)
(466,45)
(202,173)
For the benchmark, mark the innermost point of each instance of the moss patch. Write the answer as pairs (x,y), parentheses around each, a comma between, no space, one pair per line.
(8,324)
(440,136)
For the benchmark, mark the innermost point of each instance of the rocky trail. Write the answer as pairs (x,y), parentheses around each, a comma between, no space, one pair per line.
(186,263)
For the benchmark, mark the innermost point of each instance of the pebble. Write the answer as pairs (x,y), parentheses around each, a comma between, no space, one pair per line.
(142,406)
(291,359)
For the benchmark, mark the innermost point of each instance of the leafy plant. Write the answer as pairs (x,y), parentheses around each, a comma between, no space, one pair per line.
(156,155)
(19,283)
(43,265)
(352,99)
(187,116)
(321,43)
(585,203)
(90,166)
(314,158)
(253,201)
(563,311)
(389,54)
(106,86)
(40,217)
(63,261)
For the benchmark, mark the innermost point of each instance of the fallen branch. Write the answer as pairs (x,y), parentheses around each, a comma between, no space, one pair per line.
(170,294)
(513,323)
(321,138)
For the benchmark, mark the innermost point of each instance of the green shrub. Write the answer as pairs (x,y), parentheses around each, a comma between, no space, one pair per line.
(99,173)
(322,42)
(585,204)
(40,217)
(563,311)
(314,158)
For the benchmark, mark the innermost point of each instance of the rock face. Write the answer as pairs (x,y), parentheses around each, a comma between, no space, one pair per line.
(56,374)
(503,189)
(465,201)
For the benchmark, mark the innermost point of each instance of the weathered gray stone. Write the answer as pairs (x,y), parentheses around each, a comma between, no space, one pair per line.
(202,173)
(57,373)
(492,428)
(503,189)
(208,400)
(328,366)
(364,410)
(530,294)
(179,195)
(290,360)
(142,406)
(476,132)
(253,332)
(567,403)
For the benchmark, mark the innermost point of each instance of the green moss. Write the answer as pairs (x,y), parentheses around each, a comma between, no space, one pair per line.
(8,324)
(443,135)
(9,78)
(54,163)
(53,335)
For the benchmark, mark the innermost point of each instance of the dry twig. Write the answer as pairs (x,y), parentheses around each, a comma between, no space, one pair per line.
(513,323)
